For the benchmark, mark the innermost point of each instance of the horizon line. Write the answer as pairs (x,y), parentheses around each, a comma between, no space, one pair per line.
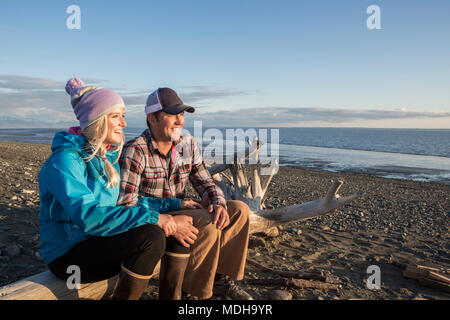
(248,127)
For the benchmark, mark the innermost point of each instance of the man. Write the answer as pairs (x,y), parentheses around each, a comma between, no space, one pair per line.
(208,243)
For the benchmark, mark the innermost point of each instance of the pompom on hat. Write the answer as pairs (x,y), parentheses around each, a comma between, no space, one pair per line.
(90,103)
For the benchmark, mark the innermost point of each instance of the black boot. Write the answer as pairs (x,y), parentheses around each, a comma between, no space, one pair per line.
(173,266)
(130,285)
(225,286)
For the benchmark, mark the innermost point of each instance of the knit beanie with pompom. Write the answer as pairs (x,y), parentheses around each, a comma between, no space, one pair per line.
(90,103)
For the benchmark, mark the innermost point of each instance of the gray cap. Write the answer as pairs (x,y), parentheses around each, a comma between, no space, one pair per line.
(167,100)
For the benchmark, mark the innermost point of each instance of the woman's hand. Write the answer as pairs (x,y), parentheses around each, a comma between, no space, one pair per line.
(186,233)
(167,224)
(190,204)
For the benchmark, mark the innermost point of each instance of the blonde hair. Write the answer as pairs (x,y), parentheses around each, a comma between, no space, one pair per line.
(96,134)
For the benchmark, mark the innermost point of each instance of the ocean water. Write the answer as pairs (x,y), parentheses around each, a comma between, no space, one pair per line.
(412,154)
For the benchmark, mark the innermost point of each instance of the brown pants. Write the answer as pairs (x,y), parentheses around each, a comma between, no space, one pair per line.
(216,251)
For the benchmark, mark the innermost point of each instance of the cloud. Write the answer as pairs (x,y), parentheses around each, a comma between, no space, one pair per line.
(193,94)
(39,102)
(276,116)
(33,102)
(134,100)
(202,93)
(17,82)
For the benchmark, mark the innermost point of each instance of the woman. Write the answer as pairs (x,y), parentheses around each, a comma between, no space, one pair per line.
(79,184)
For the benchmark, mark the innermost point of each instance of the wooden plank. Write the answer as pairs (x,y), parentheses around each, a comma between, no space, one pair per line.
(46,286)
(438,277)
(434,284)
(435,269)
(428,276)
(419,272)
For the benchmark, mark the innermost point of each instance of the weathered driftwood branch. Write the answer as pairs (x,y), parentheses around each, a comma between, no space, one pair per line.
(252,191)
(266,219)
(429,276)
(297,275)
(294,283)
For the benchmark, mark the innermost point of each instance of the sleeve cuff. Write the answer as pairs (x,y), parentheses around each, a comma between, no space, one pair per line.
(170,204)
(221,202)
(176,203)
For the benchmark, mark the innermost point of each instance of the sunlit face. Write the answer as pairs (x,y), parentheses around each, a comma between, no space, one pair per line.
(167,126)
(116,123)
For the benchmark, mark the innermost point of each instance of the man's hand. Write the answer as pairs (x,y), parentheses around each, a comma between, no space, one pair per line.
(220,218)
(190,204)
(186,233)
(167,224)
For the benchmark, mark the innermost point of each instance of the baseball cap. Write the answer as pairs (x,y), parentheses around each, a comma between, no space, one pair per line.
(167,100)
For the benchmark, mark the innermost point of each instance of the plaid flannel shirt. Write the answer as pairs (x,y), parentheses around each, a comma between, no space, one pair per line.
(145,171)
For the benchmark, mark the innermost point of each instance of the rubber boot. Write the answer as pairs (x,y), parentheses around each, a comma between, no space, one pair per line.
(173,266)
(130,285)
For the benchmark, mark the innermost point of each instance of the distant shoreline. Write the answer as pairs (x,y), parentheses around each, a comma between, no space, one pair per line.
(275,127)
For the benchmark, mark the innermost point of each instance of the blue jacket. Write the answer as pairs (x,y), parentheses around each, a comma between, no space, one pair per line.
(75,203)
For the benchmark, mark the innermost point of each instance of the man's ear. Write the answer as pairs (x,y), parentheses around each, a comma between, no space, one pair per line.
(150,119)
(153,117)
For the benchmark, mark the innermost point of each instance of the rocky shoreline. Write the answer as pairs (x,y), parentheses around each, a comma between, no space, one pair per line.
(393,221)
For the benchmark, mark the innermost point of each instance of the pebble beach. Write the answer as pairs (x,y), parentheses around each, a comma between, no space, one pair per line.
(394,222)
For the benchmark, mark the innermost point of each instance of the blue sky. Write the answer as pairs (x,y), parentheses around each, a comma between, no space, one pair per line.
(241,63)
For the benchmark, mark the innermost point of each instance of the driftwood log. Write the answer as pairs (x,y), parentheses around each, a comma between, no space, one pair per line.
(295,283)
(251,188)
(293,279)
(430,276)
(297,275)
(236,185)
(45,286)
